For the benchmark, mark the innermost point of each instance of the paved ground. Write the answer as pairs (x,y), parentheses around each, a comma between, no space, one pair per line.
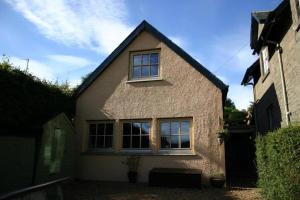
(125,191)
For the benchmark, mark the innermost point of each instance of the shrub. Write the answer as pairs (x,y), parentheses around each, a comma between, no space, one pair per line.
(278,163)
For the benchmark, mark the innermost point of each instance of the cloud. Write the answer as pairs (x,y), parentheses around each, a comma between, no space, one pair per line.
(241,95)
(70,60)
(55,67)
(178,40)
(92,24)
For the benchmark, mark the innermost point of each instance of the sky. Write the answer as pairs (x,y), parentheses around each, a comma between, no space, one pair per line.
(66,39)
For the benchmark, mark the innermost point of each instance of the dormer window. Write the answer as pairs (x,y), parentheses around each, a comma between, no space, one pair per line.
(265,60)
(144,65)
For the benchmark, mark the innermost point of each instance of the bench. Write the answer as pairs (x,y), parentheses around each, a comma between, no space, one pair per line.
(175,177)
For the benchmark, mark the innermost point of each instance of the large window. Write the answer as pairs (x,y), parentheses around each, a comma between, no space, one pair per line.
(136,135)
(145,65)
(265,60)
(101,135)
(175,134)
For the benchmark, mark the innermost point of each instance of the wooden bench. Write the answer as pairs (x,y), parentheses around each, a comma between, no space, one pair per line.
(175,177)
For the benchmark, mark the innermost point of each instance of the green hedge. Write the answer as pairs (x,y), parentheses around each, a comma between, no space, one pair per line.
(278,163)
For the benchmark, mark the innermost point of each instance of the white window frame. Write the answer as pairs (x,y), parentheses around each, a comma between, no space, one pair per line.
(179,149)
(103,148)
(265,60)
(150,77)
(140,149)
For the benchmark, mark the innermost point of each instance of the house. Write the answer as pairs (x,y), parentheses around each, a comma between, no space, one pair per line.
(149,98)
(275,76)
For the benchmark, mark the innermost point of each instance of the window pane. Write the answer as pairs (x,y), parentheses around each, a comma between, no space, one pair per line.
(145,60)
(164,128)
(145,71)
(175,141)
(100,142)
(136,72)
(185,127)
(92,141)
(154,70)
(145,128)
(137,59)
(92,129)
(100,129)
(108,141)
(174,128)
(126,129)
(136,128)
(109,129)
(154,58)
(185,141)
(135,142)
(145,142)
(126,141)
(165,142)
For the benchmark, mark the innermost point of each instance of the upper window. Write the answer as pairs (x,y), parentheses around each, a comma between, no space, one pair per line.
(265,60)
(175,134)
(298,7)
(101,135)
(136,135)
(145,65)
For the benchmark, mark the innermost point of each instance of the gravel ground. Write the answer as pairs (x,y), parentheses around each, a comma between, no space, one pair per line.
(87,190)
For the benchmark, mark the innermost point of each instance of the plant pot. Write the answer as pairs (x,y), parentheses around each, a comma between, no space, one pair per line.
(132,177)
(217,182)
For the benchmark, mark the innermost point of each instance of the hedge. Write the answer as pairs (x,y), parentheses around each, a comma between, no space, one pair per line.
(278,163)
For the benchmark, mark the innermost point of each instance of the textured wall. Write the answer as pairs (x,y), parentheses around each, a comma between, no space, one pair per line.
(291,65)
(182,92)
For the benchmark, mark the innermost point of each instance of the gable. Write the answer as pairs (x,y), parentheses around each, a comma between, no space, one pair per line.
(145,26)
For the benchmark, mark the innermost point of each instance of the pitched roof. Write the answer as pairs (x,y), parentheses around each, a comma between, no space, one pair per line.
(250,72)
(145,26)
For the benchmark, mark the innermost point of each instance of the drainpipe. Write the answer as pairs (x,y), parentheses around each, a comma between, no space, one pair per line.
(283,84)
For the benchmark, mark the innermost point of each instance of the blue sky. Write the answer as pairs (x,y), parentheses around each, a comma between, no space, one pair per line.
(65,40)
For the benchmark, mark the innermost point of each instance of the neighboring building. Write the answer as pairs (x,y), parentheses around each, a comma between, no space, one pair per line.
(151,99)
(37,155)
(275,76)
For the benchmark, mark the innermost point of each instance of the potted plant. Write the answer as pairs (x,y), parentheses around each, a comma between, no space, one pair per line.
(222,135)
(132,163)
(217,180)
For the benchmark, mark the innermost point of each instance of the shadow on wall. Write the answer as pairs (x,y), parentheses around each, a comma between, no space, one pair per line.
(268,111)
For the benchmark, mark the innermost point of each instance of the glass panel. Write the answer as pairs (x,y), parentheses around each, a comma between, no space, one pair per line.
(126,129)
(109,129)
(136,72)
(175,141)
(100,129)
(145,60)
(126,141)
(108,141)
(145,71)
(164,128)
(185,141)
(174,128)
(154,58)
(92,129)
(92,141)
(145,128)
(185,127)
(136,128)
(154,70)
(165,142)
(145,142)
(100,142)
(137,59)
(135,142)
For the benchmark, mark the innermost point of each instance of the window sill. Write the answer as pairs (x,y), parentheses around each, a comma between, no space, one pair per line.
(144,80)
(177,152)
(139,152)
